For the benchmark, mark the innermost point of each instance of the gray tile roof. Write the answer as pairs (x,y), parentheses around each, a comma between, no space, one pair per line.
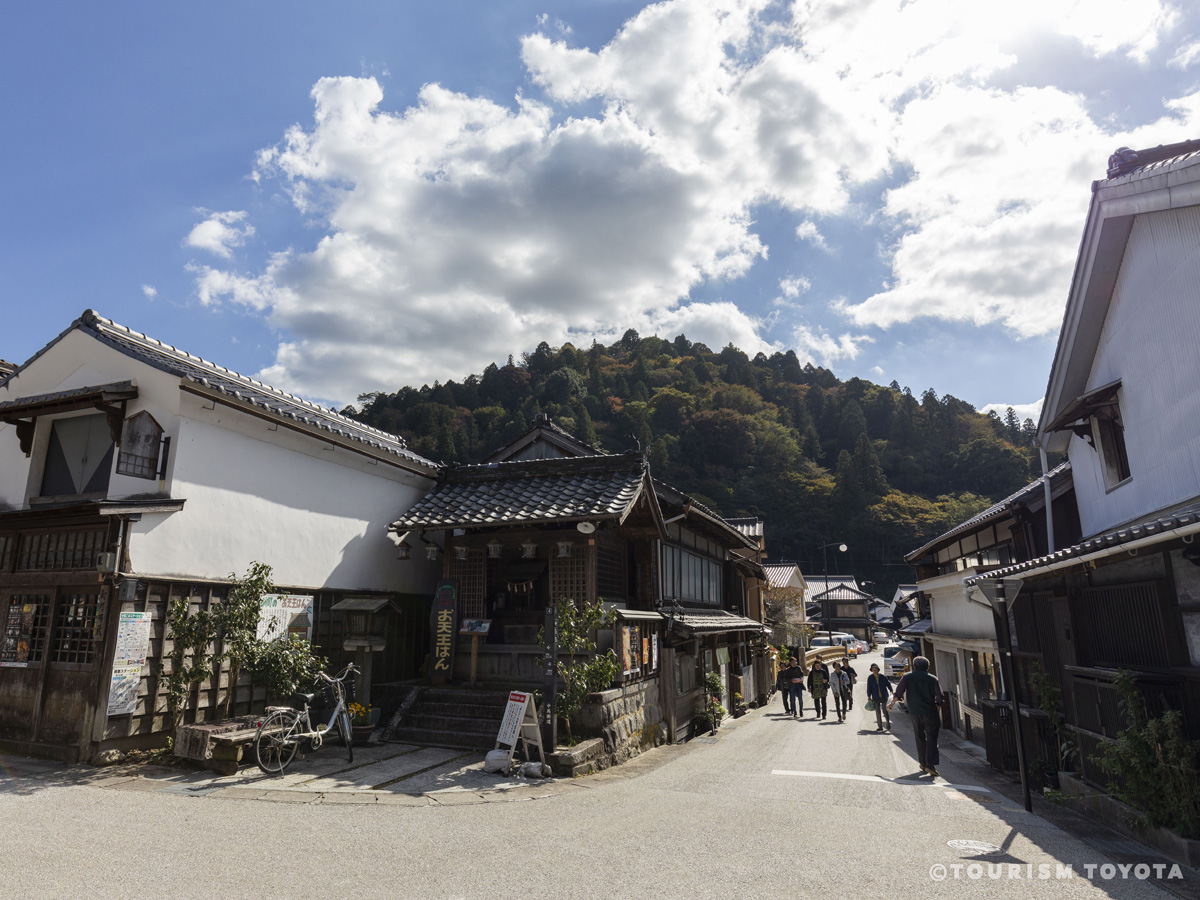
(531,491)
(1159,523)
(780,574)
(271,401)
(997,510)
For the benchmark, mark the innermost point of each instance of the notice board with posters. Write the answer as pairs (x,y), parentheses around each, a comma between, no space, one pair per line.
(443,622)
(129,657)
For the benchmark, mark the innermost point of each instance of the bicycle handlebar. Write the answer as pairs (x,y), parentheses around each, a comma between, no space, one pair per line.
(351,669)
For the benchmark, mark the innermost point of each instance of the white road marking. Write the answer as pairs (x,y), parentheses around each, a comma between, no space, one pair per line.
(879,779)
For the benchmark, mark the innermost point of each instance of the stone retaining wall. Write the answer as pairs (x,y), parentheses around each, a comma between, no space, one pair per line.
(629,719)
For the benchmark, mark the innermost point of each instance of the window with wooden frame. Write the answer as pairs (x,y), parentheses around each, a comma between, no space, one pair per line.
(54,550)
(568,576)
(141,440)
(470,573)
(75,629)
(1109,433)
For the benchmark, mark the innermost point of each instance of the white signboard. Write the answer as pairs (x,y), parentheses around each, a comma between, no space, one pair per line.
(279,613)
(133,643)
(514,715)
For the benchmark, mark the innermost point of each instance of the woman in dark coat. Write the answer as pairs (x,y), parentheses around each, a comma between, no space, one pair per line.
(818,687)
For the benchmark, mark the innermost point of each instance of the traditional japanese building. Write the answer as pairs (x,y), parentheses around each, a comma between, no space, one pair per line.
(550,519)
(133,473)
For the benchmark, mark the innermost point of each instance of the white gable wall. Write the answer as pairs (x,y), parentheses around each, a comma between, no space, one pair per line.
(79,360)
(255,490)
(1151,342)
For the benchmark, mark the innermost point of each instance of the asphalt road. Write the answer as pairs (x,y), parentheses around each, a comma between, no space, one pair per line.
(772,807)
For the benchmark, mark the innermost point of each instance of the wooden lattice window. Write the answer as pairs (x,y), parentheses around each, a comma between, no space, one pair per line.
(141,438)
(60,550)
(470,573)
(568,576)
(24,638)
(611,582)
(7,544)
(75,629)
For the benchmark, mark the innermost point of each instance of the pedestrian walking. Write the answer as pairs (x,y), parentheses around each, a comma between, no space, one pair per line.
(818,687)
(879,688)
(923,694)
(784,687)
(839,686)
(794,676)
(849,670)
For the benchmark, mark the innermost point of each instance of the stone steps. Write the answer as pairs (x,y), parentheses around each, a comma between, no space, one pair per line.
(451,717)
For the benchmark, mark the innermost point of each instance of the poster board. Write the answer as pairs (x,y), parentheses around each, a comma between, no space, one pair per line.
(520,726)
(278,613)
(18,635)
(132,647)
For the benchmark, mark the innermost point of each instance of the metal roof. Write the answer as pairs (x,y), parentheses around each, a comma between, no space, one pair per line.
(819,583)
(224,382)
(715,621)
(780,574)
(842,592)
(530,492)
(1149,526)
(1032,490)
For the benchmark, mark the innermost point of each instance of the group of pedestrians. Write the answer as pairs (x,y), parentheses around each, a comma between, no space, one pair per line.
(821,683)
(921,692)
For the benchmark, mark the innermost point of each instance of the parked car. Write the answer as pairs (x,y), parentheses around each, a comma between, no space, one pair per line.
(839,639)
(893,664)
(881,637)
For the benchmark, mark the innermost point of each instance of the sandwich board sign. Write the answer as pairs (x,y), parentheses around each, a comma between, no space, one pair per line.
(520,724)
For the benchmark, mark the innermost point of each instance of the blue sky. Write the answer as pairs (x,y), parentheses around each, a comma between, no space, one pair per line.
(346,199)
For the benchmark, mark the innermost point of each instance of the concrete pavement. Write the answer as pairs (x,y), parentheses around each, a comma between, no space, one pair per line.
(770,807)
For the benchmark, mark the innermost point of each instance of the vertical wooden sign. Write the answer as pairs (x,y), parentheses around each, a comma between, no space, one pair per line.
(443,622)
(550,680)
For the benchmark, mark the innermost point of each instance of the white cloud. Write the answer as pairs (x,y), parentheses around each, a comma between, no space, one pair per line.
(807,231)
(877,371)
(823,348)
(220,233)
(1186,56)
(150,291)
(794,287)
(460,230)
(1023,410)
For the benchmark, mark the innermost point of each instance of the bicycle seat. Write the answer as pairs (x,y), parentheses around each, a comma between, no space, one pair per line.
(299,700)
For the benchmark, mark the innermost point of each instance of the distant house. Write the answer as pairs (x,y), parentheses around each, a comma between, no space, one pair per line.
(131,473)
(959,635)
(845,608)
(787,585)
(1123,402)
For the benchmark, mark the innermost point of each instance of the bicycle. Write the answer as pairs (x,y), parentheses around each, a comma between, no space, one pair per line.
(284,728)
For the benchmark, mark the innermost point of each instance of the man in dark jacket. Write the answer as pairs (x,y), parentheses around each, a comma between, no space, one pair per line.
(793,675)
(879,688)
(923,695)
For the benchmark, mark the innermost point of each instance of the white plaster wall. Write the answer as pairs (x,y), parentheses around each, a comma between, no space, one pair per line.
(1151,342)
(952,613)
(318,522)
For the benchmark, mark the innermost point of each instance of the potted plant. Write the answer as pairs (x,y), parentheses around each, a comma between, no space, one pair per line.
(361,724)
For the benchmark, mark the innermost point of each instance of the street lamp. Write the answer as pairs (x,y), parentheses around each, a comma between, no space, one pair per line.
(825,560)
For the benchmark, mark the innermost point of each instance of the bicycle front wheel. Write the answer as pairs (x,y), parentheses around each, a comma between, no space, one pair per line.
(275,744)
(347,735)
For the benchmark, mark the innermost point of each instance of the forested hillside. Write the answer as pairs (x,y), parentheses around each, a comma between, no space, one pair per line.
(818,459)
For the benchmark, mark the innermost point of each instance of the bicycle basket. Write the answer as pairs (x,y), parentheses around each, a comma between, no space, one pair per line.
(351,694)
(329,697)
